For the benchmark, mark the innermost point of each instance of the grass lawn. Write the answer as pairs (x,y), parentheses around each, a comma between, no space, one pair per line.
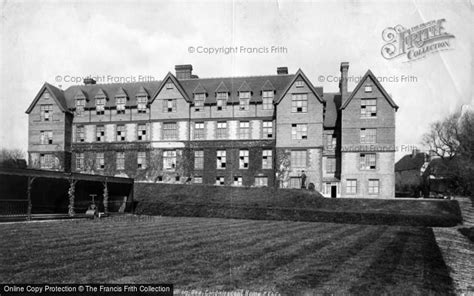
(292,258)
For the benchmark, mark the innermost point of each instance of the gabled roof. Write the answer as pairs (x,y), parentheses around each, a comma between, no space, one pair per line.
(377,83)
(176,83)
(56,94)
(222,88)
(142,92)
(300,75)
(267,86)
(121,93)
(80,94)
(101,94)
(199,89)
(411,162)
(244,87)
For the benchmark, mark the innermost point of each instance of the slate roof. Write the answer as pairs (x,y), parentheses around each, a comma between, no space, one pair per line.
(408,162)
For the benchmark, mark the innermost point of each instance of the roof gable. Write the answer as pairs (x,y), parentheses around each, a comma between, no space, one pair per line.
(267,86)
(199,89)
(142,92)
(101,94)
(121,93)
(175,81)
(222,87)
(370,75)
(299,75)
(56,94)
(80,94)
(244,87)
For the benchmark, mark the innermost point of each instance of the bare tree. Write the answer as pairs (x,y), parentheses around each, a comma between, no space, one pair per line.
(452,139)
(12,158)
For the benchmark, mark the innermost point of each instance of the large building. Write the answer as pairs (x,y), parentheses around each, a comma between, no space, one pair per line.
(243,131)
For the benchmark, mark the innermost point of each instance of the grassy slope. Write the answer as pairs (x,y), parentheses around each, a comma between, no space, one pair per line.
(225,254)
(296,205)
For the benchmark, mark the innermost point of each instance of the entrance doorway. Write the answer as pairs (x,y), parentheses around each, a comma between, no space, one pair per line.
(333,191)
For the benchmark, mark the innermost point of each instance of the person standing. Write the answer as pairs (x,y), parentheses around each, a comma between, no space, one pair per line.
(303,180)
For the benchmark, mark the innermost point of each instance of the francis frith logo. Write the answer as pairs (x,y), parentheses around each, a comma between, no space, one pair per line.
(416,42)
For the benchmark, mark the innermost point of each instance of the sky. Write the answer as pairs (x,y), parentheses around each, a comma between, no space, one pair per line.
(61,42)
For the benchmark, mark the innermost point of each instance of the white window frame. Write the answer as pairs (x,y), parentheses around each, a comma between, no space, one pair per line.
(244,100)
(267,99)
(120,161)
(267,159)
(299,103)
(141,160)
(244,130)
(221,159)
(299,159)
(368,161)
(221,131)
(199,159)
(351,186)
(169,160)
(170,131)
(267,129)
(244,160)
(374,186)
(299,131)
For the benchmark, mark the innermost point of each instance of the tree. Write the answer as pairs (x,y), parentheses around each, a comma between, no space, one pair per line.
(452,139)
(12,158)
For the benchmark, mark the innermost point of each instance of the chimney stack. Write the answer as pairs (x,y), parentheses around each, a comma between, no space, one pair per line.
(184,71)
(343,82)
(89,81)
(282,70)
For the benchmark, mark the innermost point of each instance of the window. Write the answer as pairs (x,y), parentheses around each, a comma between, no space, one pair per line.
(299,131)
(169,160)
(141,132)
(237,181)
(199,102)
(368,88)
(46,112)
(368,135)
(267,159)
(120,161)
(295,182)
(374,186)
(221,98)
(80,105)
(244,130)
(220,181)
(80,133)
(298,159)
(199,160)
(330,165)
(142,102)
(169,85)
(261,181)
(330,142)
(121,133)
(141,160)
(99,161)
(169,105)
(79,161)
(299,103)
(120,102)
(170,131)
(100,106)
(367,161)
(221,159)
(46,161)
(243,159)
(368,108)
(197,179)
(100,133)
(267,98)
(46,137)
(351,186)
(267,129)
(299,83)
(221,130)
(244,100)
(199,131)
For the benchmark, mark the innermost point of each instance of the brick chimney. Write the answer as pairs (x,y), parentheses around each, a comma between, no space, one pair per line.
(343,82)
(184,71)
(88,81)
(282,70)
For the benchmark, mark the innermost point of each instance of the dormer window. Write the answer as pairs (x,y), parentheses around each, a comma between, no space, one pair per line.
(368,88)
(80,105)
(222,100)
(120,102)
(142,102)
(267,98)
(299,83)
(199,102)
(244,100)
(169,105)
(100,106)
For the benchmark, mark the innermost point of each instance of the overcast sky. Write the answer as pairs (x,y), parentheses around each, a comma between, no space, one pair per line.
(44,40)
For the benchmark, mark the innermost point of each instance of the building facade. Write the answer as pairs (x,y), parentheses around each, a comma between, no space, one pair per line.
(242,131)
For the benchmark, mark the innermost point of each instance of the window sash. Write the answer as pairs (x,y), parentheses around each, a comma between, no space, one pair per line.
(141,160)
(368,107)
(169,105)
(199,160)
(267,159)
(330,165)
(374,186)
(121,133)
(169,160)
(170,131)
(221,159)
(99,159)
(79,161)
(267,98)
(368,135)
(141,132)
(299,103)
(221,130)
(298,159)
(351,186)
(120,161)
(368,161)
(199,131)
(244,130)
(46,112)
(80,134)
(243,159)
(267,129)
(261,181)
(100,133)
(299,131)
